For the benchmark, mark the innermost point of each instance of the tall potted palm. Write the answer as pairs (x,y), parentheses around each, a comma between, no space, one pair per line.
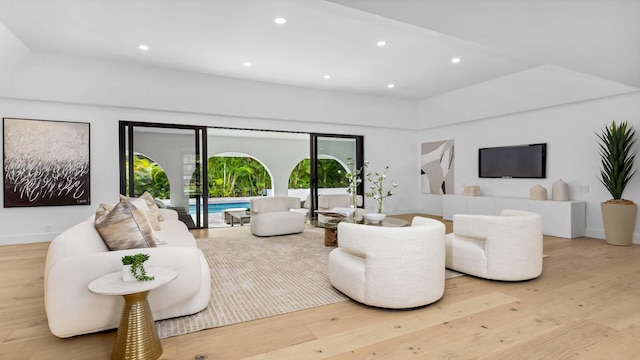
(618,214)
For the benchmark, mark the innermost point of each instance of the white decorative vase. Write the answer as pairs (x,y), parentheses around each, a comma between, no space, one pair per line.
(126,273)
(374,218)
(560,191)
(538,192)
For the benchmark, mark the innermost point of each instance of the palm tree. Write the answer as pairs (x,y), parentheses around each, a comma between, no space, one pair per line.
(231,176)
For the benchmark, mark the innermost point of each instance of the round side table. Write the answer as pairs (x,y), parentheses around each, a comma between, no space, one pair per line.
(137,337)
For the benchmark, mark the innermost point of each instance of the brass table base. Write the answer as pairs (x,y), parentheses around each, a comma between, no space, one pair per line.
(137,337)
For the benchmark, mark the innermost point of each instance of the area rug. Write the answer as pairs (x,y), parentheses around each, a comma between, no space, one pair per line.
(253,278)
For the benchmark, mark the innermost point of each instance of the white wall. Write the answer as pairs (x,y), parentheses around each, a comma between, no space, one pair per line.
(49,77)
(22,225)
(12,51)
(572,151)
(59,87)
(536,88)
(53,87)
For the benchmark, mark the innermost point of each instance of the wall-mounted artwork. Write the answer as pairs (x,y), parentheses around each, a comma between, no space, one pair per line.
(46,163)
(436,167)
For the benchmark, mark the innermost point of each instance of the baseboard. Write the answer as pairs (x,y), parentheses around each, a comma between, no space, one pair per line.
(599,234)
(27,238)
(434,212)
(594,233)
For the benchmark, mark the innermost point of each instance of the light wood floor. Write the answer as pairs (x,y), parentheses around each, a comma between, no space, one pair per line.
(584,306)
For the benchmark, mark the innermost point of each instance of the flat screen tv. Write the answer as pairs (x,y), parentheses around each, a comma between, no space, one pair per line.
(522,161)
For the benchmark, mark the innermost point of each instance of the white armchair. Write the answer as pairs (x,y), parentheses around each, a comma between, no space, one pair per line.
(401,267)
(506,247)
(272,215)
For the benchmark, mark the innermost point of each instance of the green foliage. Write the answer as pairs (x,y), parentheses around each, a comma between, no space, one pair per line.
(300,175)
(137,267)
(233,176)
(149,176)
(331,174)
(616,142)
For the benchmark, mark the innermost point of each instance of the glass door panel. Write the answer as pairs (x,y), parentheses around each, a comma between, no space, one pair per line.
(332,157)
(165,161)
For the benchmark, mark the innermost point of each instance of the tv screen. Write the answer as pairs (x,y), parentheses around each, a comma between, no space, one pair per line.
(523,161)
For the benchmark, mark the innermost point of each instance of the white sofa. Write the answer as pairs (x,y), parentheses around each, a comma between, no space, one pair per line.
(506,247)
(272,215)
(328,202)
(79,255)
(390,267)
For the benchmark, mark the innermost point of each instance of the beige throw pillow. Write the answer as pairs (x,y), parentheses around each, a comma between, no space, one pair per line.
(104,208)
(152,216)
(124,227)
(151,203)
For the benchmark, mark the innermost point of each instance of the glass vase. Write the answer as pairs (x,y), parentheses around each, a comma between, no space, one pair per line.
(353,203)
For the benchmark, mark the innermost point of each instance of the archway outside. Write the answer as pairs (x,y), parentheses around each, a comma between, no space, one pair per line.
(233,178)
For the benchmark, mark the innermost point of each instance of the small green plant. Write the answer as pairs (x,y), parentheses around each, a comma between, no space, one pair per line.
(137,266)
(616,142)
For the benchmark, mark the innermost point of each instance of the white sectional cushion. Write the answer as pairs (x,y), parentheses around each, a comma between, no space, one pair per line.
(277,223)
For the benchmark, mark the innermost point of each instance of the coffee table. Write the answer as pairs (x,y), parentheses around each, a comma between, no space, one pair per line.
(137,337)
(331,226)
(239,215)
(227,217)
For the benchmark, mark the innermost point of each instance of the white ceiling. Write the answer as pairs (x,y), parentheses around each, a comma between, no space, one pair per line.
(493,38)
(596,37)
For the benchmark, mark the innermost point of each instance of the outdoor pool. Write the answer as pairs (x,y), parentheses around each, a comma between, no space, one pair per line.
(218,208)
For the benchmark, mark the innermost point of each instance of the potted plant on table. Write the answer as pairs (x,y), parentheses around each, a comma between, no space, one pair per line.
(133,268)
(618,215)
(378,193)
(353,177)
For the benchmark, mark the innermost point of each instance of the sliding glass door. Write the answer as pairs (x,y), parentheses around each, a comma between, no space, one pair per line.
(165,160)
(203,173)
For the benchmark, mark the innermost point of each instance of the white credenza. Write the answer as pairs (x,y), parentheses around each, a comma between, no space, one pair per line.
(559,218)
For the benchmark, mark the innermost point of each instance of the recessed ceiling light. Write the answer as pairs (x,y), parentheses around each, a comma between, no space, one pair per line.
(247,64)
(143,47)
(391,86)
(455,60)
(280,21)
(381,43)
(327,76)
